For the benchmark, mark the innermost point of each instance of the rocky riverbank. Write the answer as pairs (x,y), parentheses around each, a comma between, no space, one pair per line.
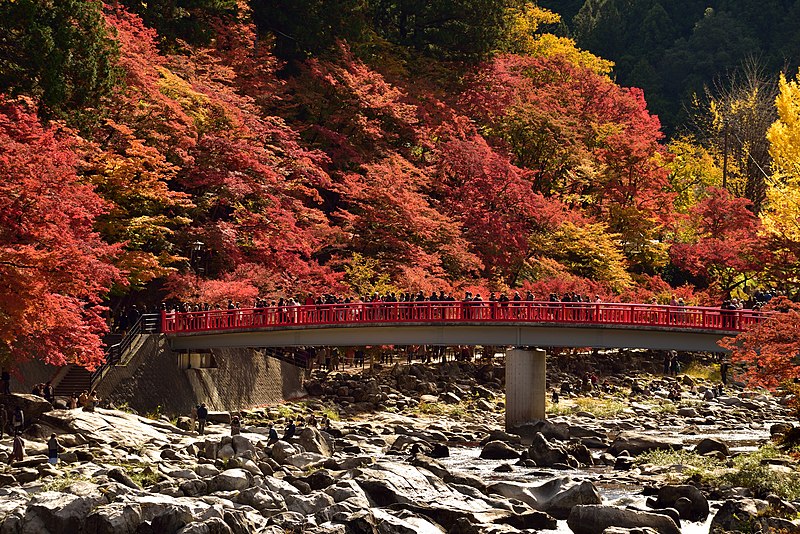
(412,449)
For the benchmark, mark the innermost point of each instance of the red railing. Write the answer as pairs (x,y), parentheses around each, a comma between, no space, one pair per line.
(560,313)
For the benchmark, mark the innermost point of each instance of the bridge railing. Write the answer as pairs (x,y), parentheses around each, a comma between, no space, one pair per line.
(563,313)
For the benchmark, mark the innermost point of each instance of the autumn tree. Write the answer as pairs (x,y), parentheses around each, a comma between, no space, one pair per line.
(733,120)
(769,349)
(54,268)
(585,141)
(781,215)
(720,244)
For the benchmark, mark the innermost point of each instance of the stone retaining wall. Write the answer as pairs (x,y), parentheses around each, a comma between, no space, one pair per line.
(242,379)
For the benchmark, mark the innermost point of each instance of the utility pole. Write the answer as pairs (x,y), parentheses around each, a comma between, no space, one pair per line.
(725,155)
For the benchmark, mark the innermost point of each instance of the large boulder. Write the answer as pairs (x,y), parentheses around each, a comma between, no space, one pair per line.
(498,450)
(312,440)
(305,460)
(33,406)
(676,497)
(547,454)
(594,518)
(281,450)
(637,444)
(115,518)
(266,502)
(52,511)
(556,497)
(740,515)
(711,445)
(231,480)
(308,504)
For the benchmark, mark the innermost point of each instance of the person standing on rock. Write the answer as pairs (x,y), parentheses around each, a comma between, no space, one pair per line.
(723,371)
(53,448)
(236,426)
(193,417)
(17,420)
(18,449)
(49,392)
(202,416)
(3,419)
(5,378)
(291,428)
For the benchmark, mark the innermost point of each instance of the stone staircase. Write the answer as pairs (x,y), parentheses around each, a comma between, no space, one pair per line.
(76,379)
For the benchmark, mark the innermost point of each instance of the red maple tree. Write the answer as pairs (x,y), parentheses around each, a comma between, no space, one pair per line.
(54,268)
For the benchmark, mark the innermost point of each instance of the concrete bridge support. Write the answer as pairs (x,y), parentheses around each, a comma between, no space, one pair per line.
(526,386)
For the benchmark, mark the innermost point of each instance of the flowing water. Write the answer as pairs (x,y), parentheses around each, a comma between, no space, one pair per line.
(611,484)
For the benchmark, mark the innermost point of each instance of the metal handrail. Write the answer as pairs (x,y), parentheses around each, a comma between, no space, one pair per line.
(560,313)
(147,323)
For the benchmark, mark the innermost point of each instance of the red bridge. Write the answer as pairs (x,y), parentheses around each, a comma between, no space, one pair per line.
(566,324)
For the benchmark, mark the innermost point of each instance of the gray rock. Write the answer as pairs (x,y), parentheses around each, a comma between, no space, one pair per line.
(697,508)
(636,444)
(32,406)
(594,518)
(51,511)
(556,497)
(266,502)
(115,518)
(305,460)
(547,454)
(215,525)
(312,440)
(708,445)
(194,488)
(740,515)
(497,450)
(231,480)
(308,504)
(282,450)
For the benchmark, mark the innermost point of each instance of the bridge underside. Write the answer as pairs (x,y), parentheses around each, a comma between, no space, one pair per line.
(633,337)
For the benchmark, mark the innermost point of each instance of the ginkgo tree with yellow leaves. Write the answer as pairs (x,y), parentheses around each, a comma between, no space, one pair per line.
(781,217)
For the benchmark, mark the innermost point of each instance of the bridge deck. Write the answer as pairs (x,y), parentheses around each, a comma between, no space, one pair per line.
(600,325)
(684,318)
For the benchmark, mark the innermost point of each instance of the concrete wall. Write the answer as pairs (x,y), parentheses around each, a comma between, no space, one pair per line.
(28,374)
(242,379)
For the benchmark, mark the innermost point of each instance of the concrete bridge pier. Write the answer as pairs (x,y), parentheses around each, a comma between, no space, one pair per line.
(526,386)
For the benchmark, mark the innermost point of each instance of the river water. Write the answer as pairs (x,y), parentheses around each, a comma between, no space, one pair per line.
(607,481)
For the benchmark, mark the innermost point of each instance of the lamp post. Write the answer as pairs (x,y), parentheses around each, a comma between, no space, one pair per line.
(195,257)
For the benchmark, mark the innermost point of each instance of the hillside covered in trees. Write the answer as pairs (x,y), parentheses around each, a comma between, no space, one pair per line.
(202,150)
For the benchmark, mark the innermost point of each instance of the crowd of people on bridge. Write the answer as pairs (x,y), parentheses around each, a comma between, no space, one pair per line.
(496,305)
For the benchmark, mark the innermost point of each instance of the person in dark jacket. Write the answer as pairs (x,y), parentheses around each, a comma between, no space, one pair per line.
(202,416)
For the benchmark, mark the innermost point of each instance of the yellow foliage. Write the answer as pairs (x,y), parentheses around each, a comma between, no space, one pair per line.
(522,37)
(784,134)
(207,115)
(692,171)
(363,276)
(590,251)
(782,214)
